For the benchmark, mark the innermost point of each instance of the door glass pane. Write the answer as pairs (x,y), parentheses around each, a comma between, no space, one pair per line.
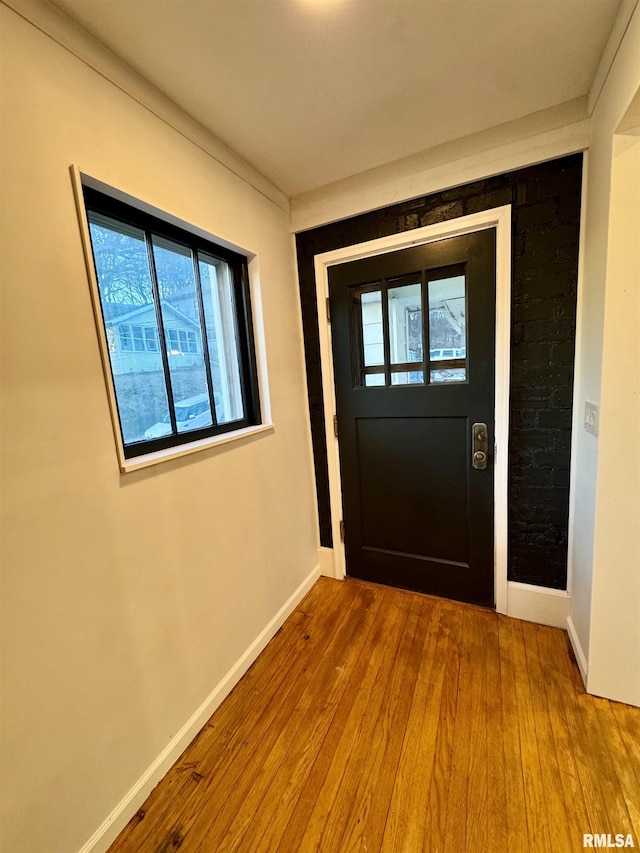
(372,338)
(405,323)
(181,315)
(448,329)
(447,318)
(126,297)
(373,379)
(218,300)
(413,377)
(455,374)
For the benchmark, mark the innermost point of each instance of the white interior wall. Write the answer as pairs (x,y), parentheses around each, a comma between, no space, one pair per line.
(125,598)
(614,659)
(605,609)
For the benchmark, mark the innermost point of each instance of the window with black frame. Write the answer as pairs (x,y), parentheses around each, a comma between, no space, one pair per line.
(177,322)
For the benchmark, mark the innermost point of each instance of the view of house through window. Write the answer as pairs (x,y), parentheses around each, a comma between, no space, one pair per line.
(174,309)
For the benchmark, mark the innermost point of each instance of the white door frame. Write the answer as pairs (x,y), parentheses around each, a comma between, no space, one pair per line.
(500,219)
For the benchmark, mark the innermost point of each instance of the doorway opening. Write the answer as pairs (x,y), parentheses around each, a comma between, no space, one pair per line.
(499,221)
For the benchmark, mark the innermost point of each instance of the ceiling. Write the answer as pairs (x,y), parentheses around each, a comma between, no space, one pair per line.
(312,91)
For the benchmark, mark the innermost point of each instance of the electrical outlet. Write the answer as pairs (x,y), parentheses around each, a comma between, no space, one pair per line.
(591,411)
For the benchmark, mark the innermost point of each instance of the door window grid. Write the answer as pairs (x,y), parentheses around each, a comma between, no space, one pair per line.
(390,337)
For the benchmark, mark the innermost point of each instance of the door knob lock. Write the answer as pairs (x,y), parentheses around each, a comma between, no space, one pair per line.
(479,459)
(479,446)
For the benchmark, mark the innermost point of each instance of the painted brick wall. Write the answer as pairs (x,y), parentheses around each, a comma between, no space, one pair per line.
(545,227)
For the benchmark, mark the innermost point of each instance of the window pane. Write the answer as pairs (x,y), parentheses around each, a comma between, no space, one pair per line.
(372,340)
(122,269)
(413,377)
(222,337)
(373,379)
(151,338)
(180,314)
(138,338)
(453,374)
(447,318)
(405,323)
(125,337)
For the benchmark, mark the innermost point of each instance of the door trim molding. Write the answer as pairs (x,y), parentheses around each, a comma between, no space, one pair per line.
(500,219)
(539,604)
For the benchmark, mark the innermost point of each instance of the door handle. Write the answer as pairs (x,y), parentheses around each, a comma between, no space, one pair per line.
(479,446)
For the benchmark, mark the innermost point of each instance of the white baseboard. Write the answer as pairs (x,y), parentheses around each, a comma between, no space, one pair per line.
(127,807)
(578,650)
(325,560)
(538,604)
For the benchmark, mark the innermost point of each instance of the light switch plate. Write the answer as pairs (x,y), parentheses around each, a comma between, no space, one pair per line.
(591,412)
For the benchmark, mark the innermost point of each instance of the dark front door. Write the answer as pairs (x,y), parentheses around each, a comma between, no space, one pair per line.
(413,346)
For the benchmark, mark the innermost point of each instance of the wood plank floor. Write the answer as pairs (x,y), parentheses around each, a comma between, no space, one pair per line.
(380,720)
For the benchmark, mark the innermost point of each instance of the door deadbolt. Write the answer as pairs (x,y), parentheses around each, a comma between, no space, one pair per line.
(479,446)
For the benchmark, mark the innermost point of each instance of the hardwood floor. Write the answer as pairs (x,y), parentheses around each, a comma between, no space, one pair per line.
(381,720)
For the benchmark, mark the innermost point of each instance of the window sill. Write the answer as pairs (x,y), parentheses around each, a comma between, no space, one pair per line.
(149,459)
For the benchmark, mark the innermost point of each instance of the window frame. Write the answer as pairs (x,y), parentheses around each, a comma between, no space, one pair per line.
(140,454)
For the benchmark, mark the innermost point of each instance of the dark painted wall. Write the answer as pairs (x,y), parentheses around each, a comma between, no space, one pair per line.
(545,226)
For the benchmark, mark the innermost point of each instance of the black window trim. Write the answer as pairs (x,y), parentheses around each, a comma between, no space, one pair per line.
(102,203)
